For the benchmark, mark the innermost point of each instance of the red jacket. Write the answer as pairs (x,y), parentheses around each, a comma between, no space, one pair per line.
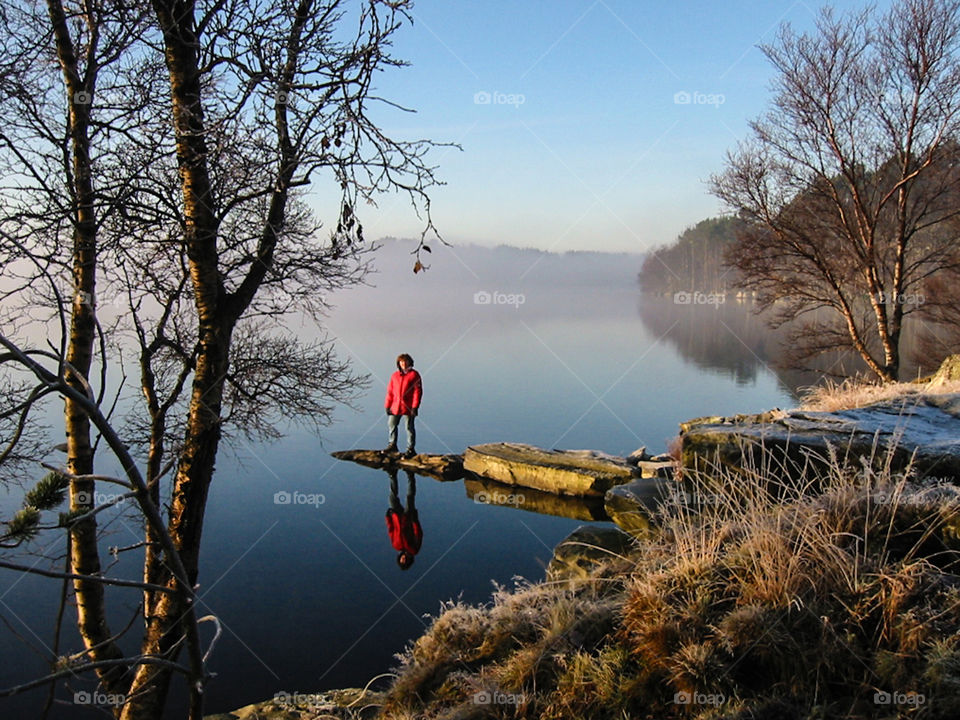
(405,531)
(403,392)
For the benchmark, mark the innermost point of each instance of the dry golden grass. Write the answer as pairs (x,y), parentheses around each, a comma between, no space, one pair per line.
(809,598)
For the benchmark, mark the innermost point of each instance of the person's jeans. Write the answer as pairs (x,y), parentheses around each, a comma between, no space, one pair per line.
(393,421)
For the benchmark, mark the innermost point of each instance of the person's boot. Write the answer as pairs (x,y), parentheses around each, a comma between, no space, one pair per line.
(409,453)
(391,448)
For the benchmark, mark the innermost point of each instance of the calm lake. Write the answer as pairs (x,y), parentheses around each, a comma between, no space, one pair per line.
(554,350)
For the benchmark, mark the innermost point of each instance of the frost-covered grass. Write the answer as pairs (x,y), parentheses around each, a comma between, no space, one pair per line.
(854,393)
(797,605)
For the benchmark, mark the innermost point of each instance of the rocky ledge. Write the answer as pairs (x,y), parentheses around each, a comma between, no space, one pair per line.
(917,433)
(572,473)
(441,467)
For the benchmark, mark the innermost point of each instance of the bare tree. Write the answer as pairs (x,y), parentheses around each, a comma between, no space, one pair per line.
(849,181)
(53,210)
(263,96)
(188,220)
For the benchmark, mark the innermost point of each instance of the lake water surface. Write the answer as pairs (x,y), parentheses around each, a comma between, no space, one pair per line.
(308,593)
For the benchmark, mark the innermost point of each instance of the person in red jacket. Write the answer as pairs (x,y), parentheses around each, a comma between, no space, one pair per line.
(403,399)
(403,525)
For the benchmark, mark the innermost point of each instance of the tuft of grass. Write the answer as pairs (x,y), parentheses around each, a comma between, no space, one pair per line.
(523,638)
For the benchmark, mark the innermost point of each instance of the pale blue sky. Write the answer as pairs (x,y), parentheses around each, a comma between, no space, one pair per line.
(598,155)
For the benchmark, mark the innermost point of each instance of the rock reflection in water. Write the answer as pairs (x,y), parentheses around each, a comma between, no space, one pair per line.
(481,490)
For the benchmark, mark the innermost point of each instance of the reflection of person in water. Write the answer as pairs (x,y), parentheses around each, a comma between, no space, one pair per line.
(406,535)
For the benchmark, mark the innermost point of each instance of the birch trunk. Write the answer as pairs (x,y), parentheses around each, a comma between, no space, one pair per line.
(84,553)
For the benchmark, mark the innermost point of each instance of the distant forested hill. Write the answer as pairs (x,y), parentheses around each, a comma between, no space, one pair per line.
(694,261)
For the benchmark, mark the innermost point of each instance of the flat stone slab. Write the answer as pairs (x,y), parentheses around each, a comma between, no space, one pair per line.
(564,472)
(922,429)
(657,468)
(442,467)
(490,492)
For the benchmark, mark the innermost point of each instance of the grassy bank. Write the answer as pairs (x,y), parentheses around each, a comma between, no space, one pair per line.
(842,604)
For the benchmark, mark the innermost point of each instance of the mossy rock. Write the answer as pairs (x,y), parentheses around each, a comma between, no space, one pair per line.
(633,506)
(585,548)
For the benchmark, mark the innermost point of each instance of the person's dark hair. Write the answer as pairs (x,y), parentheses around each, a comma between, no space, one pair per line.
(405,560)
(404,356)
